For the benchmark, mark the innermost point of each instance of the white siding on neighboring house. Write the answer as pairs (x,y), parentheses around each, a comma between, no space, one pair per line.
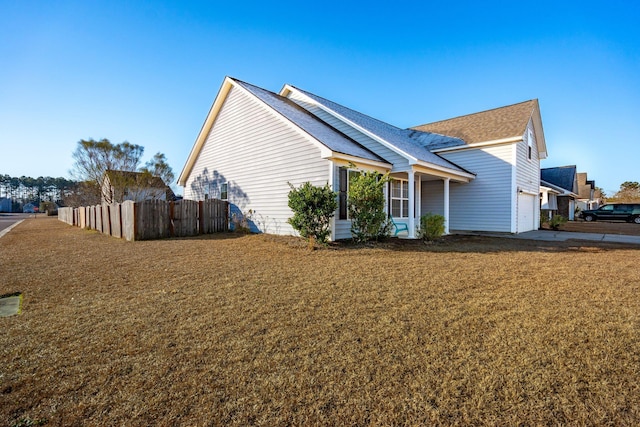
(484,204)
(389,155)
(272,154)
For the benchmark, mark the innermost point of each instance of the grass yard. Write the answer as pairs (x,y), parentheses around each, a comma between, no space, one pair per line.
(256,330)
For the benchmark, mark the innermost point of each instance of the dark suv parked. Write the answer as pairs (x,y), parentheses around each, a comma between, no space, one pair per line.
(629,212)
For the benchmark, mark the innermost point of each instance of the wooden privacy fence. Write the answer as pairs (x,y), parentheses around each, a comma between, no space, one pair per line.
(151,219)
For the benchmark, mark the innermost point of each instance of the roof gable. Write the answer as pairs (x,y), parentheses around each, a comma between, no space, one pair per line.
(498,124)
(563,177)
(402,141)
(319,132)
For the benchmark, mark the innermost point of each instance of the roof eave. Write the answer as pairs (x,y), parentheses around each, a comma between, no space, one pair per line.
(204,131)
(358,160)
(510,140)
(287,89)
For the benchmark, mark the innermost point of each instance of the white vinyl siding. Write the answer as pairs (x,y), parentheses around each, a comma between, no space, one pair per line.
(484,204)
(256,153)
(528,179)
(432,198)
(528,171)
(389,155)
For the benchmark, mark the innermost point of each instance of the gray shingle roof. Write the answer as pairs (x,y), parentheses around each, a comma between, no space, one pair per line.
(408,141)
(321,131)
(563,176)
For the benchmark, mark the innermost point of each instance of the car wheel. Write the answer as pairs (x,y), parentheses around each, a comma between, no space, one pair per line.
(636,219)
(589,218)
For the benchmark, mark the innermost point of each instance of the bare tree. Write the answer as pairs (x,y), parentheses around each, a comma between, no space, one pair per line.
(95,159)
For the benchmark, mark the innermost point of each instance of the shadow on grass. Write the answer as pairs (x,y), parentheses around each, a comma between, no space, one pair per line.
(482,244)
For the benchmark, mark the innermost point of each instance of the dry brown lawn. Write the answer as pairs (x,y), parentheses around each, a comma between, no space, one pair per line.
(256,330)
(604,227)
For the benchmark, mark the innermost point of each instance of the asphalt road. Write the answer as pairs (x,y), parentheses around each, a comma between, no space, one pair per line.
(8,219)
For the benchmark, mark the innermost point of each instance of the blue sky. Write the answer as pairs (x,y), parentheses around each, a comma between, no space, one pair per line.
(148,71)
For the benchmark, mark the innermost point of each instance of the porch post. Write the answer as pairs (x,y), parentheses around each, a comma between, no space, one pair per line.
(412,204)
(419,200)
(446,206)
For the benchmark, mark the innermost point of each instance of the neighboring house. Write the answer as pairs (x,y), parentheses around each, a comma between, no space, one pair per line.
(549,199)
(481,172)
(589,196)
(29,208)
(118,186)
(5,204)
(565,179)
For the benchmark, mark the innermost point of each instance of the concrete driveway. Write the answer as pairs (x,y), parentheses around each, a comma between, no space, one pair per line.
(561,236)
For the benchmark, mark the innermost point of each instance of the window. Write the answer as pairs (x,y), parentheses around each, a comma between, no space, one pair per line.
(224,191)
(400,198)
(344,176)
(530,144)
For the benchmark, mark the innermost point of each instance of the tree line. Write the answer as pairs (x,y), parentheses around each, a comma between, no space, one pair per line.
(24,189)
(92,161)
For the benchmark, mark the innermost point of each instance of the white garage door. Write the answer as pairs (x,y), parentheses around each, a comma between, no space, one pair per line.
(526,213)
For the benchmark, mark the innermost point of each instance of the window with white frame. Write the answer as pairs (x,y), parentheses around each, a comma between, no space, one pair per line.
(400,198)
(530,144)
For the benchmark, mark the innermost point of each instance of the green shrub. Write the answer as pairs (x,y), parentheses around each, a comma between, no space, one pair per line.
(366,206)
(556,221)
(431,227)
(313,207)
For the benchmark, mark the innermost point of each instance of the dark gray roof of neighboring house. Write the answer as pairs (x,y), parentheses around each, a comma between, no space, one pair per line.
(141,179)
(563,176)
(405,140)
(490,125)
(323,132)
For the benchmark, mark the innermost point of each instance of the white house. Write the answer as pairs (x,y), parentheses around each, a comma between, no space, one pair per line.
(480,171)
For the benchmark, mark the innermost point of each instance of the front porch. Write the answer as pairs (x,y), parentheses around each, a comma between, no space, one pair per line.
(430,193)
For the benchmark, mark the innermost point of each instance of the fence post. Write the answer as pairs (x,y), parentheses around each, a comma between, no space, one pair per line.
(172,228)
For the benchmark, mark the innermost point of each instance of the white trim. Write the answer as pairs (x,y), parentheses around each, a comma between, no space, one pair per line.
(412,205)
(502,141)
(447,172)
(446,205)
(359,160)
(401,199)
(218,102)
(325,152)
(530,193)
(549,190)
(289,89)
(332,221)
(204,131)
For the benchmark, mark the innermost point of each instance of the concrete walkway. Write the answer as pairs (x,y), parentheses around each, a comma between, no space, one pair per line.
(563,236)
